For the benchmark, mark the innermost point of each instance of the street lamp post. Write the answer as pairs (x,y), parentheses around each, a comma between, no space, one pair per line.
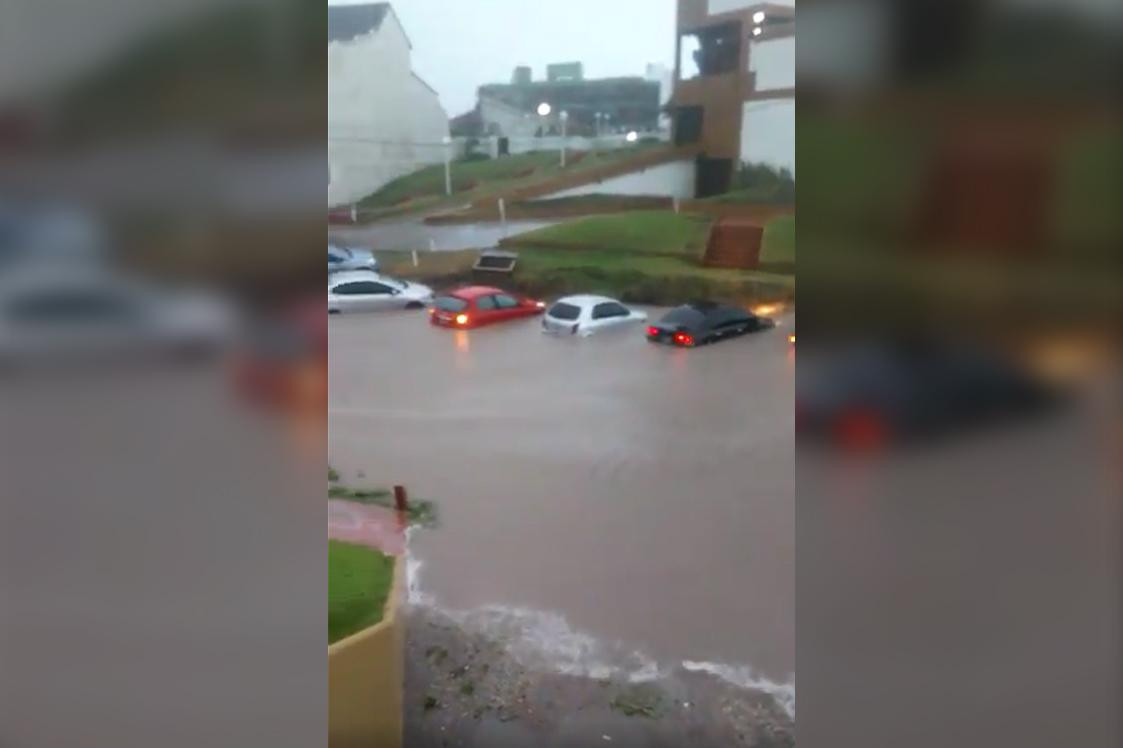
(564,120)
(448,164)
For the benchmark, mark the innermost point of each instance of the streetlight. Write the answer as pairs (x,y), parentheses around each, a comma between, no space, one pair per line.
(544,109)
(448,164)
(632,136)
(564,119)
(758,17)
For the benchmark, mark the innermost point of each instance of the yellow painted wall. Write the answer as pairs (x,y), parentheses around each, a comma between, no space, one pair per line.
(366,678)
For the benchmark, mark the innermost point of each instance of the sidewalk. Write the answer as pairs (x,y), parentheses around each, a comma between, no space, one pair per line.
(373,526)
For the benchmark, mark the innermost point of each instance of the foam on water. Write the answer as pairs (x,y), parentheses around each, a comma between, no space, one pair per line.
(546,640)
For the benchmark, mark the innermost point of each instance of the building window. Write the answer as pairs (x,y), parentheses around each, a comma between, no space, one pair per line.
(715,50)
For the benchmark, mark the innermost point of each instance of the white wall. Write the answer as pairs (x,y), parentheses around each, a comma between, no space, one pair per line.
(383,122)
(768,133)
(724,6)
(773,61)
(675,179)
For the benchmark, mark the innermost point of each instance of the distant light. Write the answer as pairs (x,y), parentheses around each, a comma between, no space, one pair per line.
(544,109)
(791,339)
(564,114)
(758,17)
(632,137)
(758,31)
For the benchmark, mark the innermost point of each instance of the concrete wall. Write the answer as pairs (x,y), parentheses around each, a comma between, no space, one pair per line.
(676,179)
(768,133)
(383,121)
(366,679)
(773,63)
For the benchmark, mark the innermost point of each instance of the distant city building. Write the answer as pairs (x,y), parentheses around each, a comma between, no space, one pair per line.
(522,76)
(565,71)
(604,105)
(734,86)
(383,120)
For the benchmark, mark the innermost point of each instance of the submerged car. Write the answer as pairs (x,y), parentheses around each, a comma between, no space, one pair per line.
(69,315)
(475,306)
(876,394)
(342,259)
(699,323)
(587,315)
(365,291)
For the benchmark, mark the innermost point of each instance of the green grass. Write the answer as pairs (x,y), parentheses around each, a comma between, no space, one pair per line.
(778,245)
(472,180)
(359,584)
(660,232)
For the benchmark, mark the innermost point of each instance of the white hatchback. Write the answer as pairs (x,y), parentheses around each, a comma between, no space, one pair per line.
(587,315)
(366,291)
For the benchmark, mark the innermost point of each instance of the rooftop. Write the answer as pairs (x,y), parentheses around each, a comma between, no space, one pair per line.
(347,22)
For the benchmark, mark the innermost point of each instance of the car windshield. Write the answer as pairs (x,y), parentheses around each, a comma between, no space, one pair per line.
(565,311)
(450,304)
(684,316)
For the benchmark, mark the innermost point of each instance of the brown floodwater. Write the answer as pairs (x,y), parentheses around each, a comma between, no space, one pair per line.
(603,502)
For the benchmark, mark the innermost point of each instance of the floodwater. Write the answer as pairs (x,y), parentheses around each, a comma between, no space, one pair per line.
(603,502)
(410,235)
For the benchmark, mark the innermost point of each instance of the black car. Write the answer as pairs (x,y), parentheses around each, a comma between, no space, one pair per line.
(699,323)
(872,394)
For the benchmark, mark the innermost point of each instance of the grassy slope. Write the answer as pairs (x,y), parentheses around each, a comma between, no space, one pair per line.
(642,257)
(473,180)
(647,231)
(359,582)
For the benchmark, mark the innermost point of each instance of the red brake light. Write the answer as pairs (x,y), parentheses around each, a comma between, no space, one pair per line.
(683,338)
(653,332)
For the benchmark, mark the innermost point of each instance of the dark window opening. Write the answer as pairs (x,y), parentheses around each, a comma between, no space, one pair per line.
(688,125)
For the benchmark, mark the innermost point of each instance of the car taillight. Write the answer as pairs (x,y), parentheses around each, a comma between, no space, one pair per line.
(862,429)
(683,338)
(462,319)
(653,332)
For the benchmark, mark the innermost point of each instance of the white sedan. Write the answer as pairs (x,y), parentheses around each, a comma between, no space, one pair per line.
(587,315)
(367,291)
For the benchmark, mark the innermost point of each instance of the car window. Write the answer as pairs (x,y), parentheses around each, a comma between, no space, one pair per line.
(503,301)
(72,306)
(562,310)
(450,304)
(360,288)
(731,318)
(684,316)
(336,254)
(610,309)
(485,303)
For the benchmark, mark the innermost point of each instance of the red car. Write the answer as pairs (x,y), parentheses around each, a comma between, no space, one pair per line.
(474,306)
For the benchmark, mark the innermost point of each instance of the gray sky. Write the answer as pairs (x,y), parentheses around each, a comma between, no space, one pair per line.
(460,44)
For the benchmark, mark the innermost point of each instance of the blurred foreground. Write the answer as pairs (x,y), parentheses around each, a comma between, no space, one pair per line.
(163,387)
(959,511)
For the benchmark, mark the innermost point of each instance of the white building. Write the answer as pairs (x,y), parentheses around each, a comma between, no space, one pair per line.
(383,120)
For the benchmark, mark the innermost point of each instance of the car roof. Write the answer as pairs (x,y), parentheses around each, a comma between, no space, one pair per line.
(473,292)
(586,300)
(348,276)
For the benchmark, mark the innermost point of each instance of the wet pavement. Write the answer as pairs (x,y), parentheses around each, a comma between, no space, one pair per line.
(414,234)
(608,508)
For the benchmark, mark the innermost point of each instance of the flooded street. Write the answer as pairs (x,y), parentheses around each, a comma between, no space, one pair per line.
(606,505)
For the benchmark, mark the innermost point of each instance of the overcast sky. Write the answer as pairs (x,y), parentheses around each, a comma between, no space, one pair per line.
(460,44)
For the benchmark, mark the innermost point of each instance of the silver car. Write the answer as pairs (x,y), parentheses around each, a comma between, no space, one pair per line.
(342,258)
(364,291)
(66,314)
